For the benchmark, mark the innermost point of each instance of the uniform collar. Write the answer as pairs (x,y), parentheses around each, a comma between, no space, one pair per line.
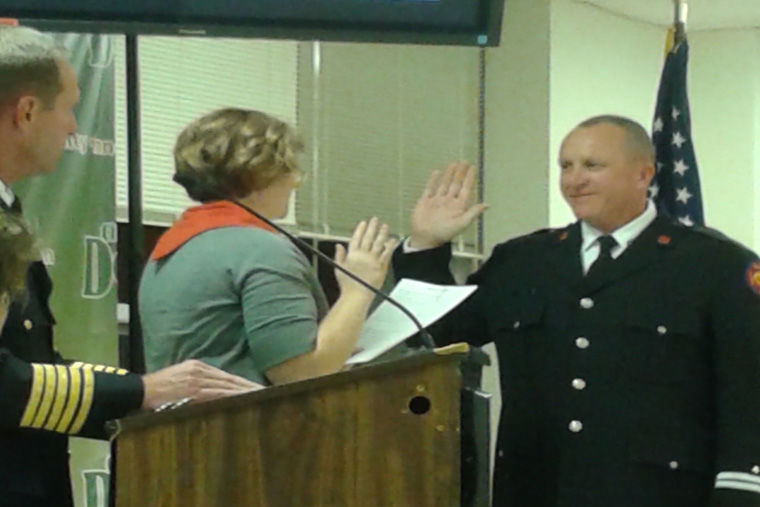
(624,235)
(651,246)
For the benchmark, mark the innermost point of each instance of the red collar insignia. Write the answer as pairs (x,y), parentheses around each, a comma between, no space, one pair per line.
(753,277)
(663,240)
(563,236)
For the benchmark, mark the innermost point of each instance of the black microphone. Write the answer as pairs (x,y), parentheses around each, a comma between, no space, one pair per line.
(427,340)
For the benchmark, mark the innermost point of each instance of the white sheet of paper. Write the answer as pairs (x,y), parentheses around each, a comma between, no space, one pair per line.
(388,326)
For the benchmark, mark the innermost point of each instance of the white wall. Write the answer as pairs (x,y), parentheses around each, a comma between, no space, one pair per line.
(724,76)
(600,64)
(603,63)
(517,123)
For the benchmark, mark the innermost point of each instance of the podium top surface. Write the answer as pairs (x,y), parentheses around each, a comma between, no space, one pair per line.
(454,354)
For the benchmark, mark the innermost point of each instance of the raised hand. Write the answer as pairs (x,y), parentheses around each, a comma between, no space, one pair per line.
(443,210)
(368,256)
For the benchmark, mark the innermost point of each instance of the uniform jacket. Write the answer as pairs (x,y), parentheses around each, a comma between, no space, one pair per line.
(636,387)
(44,398)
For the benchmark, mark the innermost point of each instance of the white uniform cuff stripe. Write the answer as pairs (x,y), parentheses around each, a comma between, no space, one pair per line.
(745,486)
(738,476)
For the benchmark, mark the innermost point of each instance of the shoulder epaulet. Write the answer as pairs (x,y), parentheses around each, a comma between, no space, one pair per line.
(709,232)
(558,233)
(555,234)
(548,230)
(717,236)
(706,231)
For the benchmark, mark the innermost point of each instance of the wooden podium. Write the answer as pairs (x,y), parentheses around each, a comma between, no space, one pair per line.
(386,434)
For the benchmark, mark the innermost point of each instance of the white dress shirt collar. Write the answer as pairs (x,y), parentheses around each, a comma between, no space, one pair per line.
(624,236)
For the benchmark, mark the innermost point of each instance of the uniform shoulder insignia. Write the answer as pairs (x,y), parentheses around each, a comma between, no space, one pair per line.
(664,240)
(752,276)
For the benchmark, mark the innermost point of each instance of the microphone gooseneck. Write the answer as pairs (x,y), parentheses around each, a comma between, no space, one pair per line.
(427,340)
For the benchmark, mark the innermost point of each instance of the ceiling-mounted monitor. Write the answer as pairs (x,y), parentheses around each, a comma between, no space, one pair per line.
(459,22)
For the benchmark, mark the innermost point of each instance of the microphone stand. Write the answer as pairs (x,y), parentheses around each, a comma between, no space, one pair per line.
(475,404)
(427,340)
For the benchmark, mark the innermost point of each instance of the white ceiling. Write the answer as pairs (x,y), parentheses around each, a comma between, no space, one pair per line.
(702,14)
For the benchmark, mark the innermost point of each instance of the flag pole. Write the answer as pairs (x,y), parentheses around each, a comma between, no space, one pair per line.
(675,187)
(681,10)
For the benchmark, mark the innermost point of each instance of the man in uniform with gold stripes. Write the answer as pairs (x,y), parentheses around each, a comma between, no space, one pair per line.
(42,397)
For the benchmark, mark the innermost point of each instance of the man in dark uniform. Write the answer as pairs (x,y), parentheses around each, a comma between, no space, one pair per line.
(43,398)
(629,346)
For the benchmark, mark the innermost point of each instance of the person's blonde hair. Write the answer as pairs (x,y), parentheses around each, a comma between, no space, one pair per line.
(231,152)
(17,250)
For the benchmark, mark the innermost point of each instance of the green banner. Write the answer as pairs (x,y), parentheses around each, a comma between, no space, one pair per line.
(72,211)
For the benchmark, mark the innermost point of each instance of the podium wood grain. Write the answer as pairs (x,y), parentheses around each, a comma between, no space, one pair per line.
(349,439)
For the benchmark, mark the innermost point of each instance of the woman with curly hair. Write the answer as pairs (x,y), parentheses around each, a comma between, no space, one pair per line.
(224,287)
(17,251)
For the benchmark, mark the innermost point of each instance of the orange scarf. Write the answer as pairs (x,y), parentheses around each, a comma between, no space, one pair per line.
(199,219)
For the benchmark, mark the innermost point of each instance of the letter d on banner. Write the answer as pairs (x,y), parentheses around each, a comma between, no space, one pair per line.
(99,262)
(96,488)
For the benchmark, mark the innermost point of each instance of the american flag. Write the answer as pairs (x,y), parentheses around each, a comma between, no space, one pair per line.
(675,187)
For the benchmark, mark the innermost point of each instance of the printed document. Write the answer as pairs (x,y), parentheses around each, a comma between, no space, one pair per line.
(388,326)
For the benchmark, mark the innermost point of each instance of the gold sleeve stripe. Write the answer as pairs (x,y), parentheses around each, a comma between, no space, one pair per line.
(88,390)
(61,394)
(73,399)
(48,393)
(103,369)
(38,382)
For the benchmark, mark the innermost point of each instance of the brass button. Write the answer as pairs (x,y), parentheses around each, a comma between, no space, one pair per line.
(587,303)
(579,384)
(673,465)
(28,324)
(661,330)
(582,342)
(575,426)
(516,325)
(756,470)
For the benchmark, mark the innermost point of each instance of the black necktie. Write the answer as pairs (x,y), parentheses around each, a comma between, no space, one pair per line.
(603,262)
(16,205)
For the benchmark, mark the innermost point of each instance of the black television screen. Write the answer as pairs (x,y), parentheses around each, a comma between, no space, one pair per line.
(465,22)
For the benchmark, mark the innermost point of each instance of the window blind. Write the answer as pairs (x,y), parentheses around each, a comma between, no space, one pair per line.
(182,78)
(381,118)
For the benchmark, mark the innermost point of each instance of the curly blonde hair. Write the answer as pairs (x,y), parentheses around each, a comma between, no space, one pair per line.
(17,250)
(229,153)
